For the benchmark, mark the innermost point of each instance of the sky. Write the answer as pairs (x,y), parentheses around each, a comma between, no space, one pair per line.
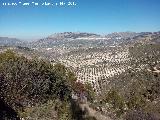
(94,16)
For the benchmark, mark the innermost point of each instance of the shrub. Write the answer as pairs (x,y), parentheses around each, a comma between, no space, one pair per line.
(140,115)
(26,82)
(117,101)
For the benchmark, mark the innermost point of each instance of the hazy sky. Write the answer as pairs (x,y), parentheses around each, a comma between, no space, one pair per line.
(98,16)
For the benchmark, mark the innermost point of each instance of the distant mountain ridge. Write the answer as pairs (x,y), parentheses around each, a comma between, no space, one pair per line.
(72,35)
(75,39)
(6,41)
(81,38)
(122,34)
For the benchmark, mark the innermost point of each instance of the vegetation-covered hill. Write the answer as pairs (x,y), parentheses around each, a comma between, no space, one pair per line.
(35,89)
(134,94)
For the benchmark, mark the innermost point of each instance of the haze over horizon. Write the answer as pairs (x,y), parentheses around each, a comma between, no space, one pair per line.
(107,16)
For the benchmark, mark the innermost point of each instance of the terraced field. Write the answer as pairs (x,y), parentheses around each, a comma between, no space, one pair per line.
(94,64)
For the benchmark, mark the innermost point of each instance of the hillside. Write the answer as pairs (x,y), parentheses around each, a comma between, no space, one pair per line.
(5,41)
(35,89)
(73,39)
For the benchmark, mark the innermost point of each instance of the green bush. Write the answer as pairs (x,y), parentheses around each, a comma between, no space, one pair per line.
(45,111)
(116,101)
(25,82)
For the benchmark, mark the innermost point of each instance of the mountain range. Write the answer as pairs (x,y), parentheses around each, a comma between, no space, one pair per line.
(75,39)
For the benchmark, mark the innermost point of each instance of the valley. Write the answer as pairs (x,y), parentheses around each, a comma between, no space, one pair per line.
(118,66)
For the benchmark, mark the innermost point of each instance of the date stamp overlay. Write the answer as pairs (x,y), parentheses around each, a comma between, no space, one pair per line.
(45,3)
